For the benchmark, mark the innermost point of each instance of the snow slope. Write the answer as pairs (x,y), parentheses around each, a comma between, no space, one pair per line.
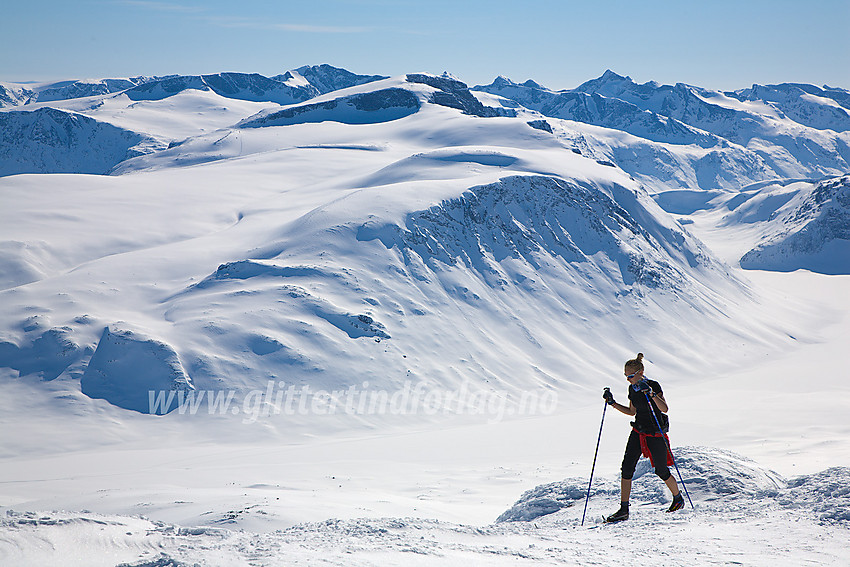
(391,309)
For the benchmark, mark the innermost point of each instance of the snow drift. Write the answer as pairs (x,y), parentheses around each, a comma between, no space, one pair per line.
(127,370)
(711,476)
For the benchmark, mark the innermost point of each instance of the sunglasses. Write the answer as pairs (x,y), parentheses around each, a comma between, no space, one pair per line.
(630,376)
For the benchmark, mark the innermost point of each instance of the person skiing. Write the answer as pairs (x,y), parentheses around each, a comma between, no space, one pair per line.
(645,438)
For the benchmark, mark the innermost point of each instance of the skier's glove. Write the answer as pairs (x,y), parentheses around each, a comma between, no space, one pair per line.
(608,396)
(643,386)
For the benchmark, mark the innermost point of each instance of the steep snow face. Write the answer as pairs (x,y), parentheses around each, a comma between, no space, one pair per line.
(807,229)
(364,277)
(126,367)
(541,219)
(53,141)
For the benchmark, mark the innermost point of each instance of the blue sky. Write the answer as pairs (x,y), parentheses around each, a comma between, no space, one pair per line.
(721,44)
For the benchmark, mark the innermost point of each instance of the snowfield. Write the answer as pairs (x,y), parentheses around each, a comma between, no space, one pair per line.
(327,318)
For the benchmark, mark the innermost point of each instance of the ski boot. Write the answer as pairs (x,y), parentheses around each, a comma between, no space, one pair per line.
(678,503)
(619,515)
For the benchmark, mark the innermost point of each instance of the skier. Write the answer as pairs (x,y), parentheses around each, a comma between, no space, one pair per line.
(645,438)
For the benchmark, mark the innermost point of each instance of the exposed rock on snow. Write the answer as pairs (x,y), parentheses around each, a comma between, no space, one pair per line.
(452,93)
(530,217)
(13,95)
(541,125)
(609,112)
(48,140)
(17,95)
(291,87)
(326,78)
(367,108)
(127,367)
(240,86)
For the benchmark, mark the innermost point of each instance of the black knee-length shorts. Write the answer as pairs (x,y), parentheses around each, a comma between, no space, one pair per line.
(657,447)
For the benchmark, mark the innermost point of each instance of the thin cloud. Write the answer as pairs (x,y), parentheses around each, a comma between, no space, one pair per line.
(320,29)
(299,28)
(160,6)
(243,23)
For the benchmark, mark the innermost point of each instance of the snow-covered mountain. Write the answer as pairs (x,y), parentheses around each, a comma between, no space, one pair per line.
(746,137)
(807,227)
(326,78)
(293,86)
(821,108)
(56,141)
(352,295)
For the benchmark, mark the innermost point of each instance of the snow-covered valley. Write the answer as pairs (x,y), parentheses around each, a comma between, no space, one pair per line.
(384,310)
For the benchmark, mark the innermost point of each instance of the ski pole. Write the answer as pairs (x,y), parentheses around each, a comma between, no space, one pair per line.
(667,443)
(593,468)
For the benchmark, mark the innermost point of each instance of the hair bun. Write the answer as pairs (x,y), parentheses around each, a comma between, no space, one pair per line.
(640,356)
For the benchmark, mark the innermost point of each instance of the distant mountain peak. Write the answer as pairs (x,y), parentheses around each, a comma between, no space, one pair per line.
(534,85)
(327,78)
(500,82)
(607,81)
(610,75)
(452,93)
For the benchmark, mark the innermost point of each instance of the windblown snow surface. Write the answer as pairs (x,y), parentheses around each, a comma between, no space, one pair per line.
(327,318)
